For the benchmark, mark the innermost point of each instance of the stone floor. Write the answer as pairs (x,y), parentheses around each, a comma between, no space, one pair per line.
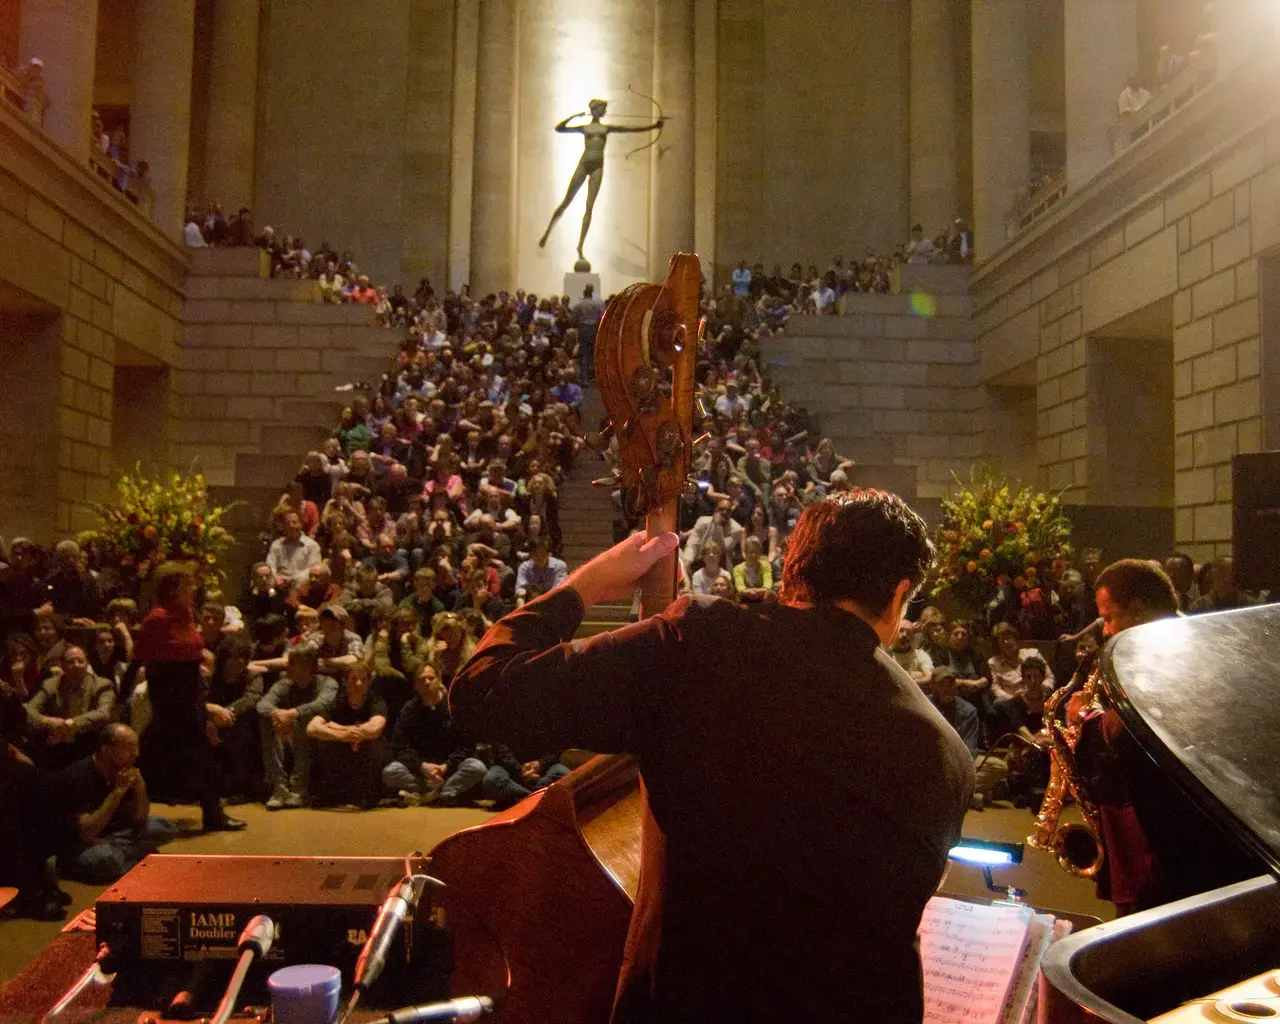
(394,831)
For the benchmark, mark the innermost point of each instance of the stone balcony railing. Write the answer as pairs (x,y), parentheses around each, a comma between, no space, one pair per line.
(1168,100)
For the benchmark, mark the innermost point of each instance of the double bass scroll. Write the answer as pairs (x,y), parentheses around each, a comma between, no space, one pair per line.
(541,896)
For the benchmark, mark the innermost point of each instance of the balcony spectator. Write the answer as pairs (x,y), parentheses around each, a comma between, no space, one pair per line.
(1133,97)
(192,235)
(741,279)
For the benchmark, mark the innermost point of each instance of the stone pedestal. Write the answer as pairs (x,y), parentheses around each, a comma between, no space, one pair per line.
(64,35)
(575,283)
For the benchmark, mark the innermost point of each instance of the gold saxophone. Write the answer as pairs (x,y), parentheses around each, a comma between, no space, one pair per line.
(1078,846)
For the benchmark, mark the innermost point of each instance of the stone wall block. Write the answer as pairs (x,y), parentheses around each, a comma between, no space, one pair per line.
(1213,523)
(1231,247)
(1236,322)
(1238,401)
(1246,162)
(1194,412)
(1193,487)
(1144,224)
(1213,294)
(1247,279)
(1214,370)
(1195,265)
(1195,339)
(1213,219)
(1190,197)
(1248,359)
(1110,245)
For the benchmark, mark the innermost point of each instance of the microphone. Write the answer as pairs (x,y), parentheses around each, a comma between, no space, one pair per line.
(373,957)
(464,1008)
(255,940)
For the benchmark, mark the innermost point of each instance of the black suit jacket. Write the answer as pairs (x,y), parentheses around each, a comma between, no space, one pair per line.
(806,789)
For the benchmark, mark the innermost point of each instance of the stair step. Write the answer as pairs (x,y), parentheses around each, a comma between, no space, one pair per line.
(294,441)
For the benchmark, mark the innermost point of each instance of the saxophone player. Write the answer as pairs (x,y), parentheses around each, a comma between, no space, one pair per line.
(1159,846)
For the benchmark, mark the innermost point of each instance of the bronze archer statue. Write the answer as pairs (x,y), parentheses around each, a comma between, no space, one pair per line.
(590,167)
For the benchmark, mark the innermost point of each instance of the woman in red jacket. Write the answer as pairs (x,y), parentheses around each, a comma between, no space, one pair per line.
(169,646)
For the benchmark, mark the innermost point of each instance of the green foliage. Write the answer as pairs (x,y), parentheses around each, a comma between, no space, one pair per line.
(991,534)
(158,520)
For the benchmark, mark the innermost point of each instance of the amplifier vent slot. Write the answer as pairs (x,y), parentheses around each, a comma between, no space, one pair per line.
(333,881)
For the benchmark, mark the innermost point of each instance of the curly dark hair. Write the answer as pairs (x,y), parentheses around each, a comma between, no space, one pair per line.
(857,545)
(1132,579)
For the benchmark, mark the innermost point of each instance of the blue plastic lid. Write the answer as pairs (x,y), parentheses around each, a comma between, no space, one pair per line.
(304,980)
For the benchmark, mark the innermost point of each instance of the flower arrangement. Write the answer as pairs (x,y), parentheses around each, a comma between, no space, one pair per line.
(992,536)
(154,521)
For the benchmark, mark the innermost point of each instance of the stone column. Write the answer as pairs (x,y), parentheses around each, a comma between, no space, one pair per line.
(160,116)
(493,218)
(1001,117)
(63,34)
(233,95)
(1101,49)
(935,196)
(671,195)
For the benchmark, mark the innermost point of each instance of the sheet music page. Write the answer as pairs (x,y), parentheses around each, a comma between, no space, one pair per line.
(1020,1005)
(970,954)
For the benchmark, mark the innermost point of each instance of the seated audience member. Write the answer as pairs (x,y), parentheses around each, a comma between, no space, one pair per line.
(753,576)
(963,660)
(104,801)
(423,600)
(292,554)
(1221,593)
(262,597)
(22,669)
(70,590)
(292,500)
(964,719)
(917,664)
(283,716)
(720,527)
(390,563)
(1004,667)
(318,590)
(366,599)
(68,710)
(541,573)
(712,568)
(211,623)
(935,642)
(465,772)
(317,484)
(338,647)
(27,836)
(507,790)
(1024,714)
(1181,571)
(350,751)
(111,654)
(422,742)
(452,646)
(477,595)
(231,702)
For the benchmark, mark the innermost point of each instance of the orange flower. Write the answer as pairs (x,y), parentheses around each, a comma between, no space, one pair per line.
(972,567)
(986,524)
(985,554)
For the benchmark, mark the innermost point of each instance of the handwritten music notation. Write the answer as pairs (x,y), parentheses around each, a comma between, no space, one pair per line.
(970,954)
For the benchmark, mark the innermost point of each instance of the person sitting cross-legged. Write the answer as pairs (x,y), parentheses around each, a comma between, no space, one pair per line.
(507,790)
(350,751)
(107,811)
(422,742)
(465,771)
(231,701)
(753,576)
(283,716)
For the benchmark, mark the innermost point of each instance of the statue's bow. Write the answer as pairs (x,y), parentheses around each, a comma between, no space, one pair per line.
(660,118)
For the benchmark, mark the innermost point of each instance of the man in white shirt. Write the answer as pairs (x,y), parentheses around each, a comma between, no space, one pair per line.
(721,527)
(731,404)
(191,234)
(292,556)
(919,248)
(1133,97)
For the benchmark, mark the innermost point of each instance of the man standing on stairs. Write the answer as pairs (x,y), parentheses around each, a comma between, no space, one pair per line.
(586,317)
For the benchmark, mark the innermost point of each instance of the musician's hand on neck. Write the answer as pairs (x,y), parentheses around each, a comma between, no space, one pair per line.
(613,574)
